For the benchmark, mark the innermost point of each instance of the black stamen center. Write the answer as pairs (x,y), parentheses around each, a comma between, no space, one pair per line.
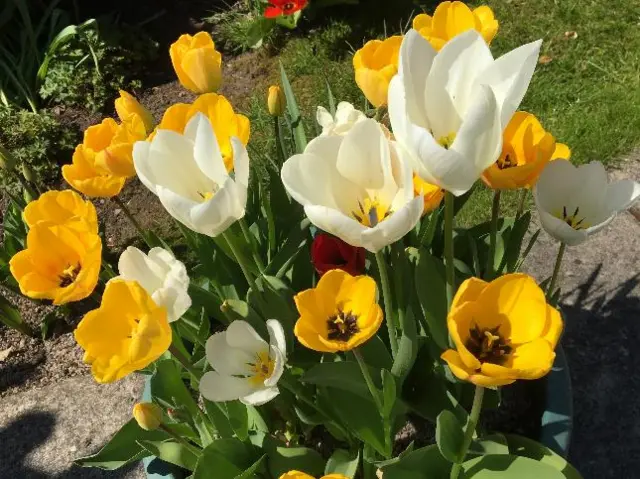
(506,162)
(573,221)
(488,345)
(342,326)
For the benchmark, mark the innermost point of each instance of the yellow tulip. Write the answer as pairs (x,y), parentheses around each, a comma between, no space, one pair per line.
(62,207)
(225,122)
(147,415)
(302,475)
(60,263)
(104,160)
(276,101)
(376,64)
(197,63)
(127,105)
(503,331)
(526,149)
(453,18)
(339,314)
(125,334)
(433,194)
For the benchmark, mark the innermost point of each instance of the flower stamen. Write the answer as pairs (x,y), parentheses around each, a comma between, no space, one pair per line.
(69,275)
(447,140)
(342,326)
(506,162)
(262,368)
(488,345)
(371,212)
(573,220)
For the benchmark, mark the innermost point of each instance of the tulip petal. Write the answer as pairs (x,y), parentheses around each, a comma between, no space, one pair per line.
(532,360)
(621,195)
(554,327)
(225,359)
(277,338)
(178,206)
(561,231)
(469,290)
(260,397)
(214,216)
(416,59)
(555,185)
(394,227)
(134,265)
(206,150)
(278,366)
(240,165)
(241,335)
(218,387)
(336,223)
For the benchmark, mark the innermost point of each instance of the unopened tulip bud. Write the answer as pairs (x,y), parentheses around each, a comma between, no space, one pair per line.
(147,415)
(7,160)
(276,101)
(28,173)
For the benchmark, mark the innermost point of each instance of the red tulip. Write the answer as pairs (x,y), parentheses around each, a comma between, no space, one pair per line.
(329,252)
(284,7)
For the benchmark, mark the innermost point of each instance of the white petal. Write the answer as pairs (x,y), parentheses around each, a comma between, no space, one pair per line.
(225,359)
(561,231)
(364,156)
(555,186)
(334,222)
(140,157)
(218,388)
(278,366)
(260,397)
(324,118)
(416,59)
(398,109)
(174,298)
(134,265)
(277,338)
(206,149)
(164,260)
(622,194)
(479,139)
(509,77)
(241,334)
(240,164)
(178,206)
(394,227)
(214,216)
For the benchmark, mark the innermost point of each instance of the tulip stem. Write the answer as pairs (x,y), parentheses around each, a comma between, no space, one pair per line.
(388,310)
(252,244)
(132,219)
(448,246)
(556,270)
(280,144)
(495,212)
(194,450)
(468,433)
(524,193)
(185,362)
(241,262)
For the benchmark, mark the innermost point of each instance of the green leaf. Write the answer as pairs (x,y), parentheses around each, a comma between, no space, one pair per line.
(514,244)
(294,112)
(449,435)
(423,463)
(238,418)
(492,444)
(388,392)
(235,309)
(293,244)
(123,448)
(431,290)
(497,466)
(171,452)
(375,353)
(522,446)
(289,21)
(251,472)
(12,318)
(344,375)
(229,458)
(284,459)
(331,99)
(219,419)
(343,462)
(259,29)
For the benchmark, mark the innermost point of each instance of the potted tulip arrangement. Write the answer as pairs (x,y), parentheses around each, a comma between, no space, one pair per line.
(325,292)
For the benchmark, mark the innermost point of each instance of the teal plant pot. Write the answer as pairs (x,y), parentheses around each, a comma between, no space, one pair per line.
(557,419)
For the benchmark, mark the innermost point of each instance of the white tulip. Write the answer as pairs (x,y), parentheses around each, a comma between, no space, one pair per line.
(448,109)
(355,187)
(575,202)
(188,175)
(346,116)
(161,275)
(245,366)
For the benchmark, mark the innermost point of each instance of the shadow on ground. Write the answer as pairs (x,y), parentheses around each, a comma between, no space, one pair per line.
(601,344)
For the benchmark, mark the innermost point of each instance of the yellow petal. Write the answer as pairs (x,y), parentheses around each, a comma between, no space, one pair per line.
(197,63)
(127,105)
(554,326)
(532,360)
(61,207)
(562,151)
(459,323)
(469,290)
(175,118)
(98,137)
(373,85)
(461,371)
(422,21)
(487,22)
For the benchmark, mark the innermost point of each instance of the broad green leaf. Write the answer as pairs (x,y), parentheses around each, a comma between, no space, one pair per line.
(171,452)
(228,458)
(431,291)
(219,418)
(294,112)
(284,459)
(492,444)
(449,435)
(388,392)
(504,466)
(343,462)
(522,446)
(423,463)
(235,309)
(238,418)
(344,375)
(514,245)
(375,353)
(259,29)
(251,472)
(12,318)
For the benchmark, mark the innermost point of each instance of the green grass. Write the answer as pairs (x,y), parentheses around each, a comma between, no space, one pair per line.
(588,96)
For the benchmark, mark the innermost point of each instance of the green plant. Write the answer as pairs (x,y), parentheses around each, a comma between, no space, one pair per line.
(120,53)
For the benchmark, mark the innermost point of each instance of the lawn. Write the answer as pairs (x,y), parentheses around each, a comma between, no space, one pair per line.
(586,90)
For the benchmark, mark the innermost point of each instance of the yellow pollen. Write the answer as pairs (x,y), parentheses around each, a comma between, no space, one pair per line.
(69,275)
(491,338)
(262,369)
(573,220)
(447,140)
(371,212)
(206,196)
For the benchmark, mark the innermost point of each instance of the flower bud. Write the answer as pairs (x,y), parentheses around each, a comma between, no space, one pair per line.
(147,415)
(28,173)
(7,160)
(276,101)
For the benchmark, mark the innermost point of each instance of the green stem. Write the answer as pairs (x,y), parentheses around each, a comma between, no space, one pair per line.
(448,246)
(427,236)
(185,362)
(132,219)
(241,261)
(280,144)
(524,193)
(181,440)
(368,379)
(388,309)
(495,212)
(252,244)
(556,269)
(468,434)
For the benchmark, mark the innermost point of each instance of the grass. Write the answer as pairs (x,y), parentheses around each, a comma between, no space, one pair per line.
(588,95)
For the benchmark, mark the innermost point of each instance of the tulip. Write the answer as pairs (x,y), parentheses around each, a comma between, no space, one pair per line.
(277,8)
(197,63)
(161,275)
(341,123)
(245,366)
(302,475)
(103,162)
(329,252)
(574,202)
(224,121)
(125,334)
(339,314)
(60,263)
(526,149)
(355,187)
(147,415)
(276,102)
(376,64)
(431,194)
(62,207)
(453,133)
(503,331)
(127,105)
(188,174)
(453,18)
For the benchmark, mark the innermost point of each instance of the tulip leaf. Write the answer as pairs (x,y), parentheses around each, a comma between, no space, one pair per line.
(492,444)
(251,472)
(504,466)
(171,452)
(344,375)
(525,447)
(449,435)
(375,353)
(295,118)
(389,393)
(294,243)
(331,99)
(11,317)
(260,28)
(238,418)
(423,463)
(514,244)
(431,291)
(281,459)
(229,458)
(343,462)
